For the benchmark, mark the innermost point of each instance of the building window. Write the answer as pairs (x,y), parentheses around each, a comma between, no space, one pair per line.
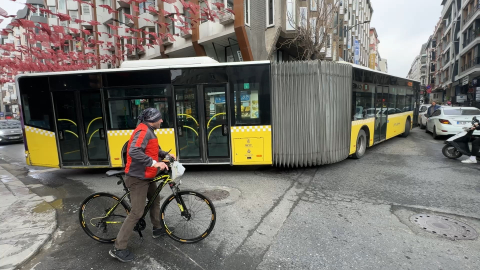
(53,10)
(143,7)
(313,5)
(85,9)
(303,17)
(290,15)
(313,28)
(270,13)
(247,12)
(121,16)
(62,5)
(74,15)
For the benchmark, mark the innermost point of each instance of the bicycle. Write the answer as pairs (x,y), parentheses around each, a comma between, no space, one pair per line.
(105,226)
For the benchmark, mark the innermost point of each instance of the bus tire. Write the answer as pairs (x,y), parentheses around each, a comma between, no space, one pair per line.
(407,129)
(361,145)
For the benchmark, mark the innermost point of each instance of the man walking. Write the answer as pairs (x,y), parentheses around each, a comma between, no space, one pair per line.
(143,153)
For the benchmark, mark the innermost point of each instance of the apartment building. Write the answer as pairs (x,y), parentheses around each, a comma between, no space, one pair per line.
(374,58)
(468,77)
(414,72)
(256,31)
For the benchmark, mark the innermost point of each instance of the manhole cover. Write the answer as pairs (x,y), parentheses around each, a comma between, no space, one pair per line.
(444,226)
(216,194)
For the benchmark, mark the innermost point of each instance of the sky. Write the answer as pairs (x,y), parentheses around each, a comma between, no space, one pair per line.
(10,7)
(402,27)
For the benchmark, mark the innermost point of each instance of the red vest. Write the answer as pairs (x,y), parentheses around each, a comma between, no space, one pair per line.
(151,150)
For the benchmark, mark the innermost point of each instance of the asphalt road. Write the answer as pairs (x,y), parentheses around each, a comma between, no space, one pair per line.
(350,215)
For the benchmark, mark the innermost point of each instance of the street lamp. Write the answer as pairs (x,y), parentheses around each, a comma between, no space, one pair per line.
(348,29)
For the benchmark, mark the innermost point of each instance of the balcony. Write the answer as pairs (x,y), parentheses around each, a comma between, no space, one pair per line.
(470,15)
(142,23)
(471,63)
(470,39)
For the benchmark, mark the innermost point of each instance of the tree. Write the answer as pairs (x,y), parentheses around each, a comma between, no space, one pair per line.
(47,46)
(313,29)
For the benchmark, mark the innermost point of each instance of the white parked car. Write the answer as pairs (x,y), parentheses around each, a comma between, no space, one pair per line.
(451,120)
(422,118)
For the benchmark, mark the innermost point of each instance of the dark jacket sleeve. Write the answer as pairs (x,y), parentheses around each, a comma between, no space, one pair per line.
(161,154)
(477,127)
(137,149)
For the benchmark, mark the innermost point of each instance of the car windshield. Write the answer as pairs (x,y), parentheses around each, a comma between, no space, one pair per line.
(8,124)
(461,112)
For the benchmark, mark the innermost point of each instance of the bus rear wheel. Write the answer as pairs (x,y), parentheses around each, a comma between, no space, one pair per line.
(361,145)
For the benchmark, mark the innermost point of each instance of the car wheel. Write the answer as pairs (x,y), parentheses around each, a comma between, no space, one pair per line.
(434,133)
(361,145)
(426,128)
(422,126)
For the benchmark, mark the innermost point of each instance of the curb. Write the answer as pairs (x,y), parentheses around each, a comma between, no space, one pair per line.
(27,222)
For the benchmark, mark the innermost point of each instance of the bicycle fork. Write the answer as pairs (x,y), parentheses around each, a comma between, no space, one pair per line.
(180,202)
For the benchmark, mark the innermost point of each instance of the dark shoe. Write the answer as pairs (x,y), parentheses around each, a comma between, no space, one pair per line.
(159,232)
(123,255)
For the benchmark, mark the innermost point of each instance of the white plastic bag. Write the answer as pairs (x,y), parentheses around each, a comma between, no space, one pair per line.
(177,170)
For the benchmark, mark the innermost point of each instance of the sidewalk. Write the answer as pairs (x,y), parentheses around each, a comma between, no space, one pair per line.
(26,221)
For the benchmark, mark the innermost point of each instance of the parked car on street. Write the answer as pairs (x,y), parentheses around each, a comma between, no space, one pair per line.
(10,131)
(422,111)
(451,120)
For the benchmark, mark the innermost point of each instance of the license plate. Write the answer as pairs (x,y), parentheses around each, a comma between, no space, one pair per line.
(15,137)
(462,123)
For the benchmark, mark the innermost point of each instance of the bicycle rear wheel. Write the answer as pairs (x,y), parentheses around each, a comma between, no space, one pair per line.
(94,220)
(193,227)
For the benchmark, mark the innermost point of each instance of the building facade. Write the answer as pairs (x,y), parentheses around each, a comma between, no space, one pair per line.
(383,65)
(374,57)
(254,30)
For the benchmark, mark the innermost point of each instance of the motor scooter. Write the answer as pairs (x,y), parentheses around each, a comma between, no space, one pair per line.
(459,144)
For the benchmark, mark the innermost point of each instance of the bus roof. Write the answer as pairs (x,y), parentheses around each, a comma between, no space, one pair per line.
(167,64)
(372,70)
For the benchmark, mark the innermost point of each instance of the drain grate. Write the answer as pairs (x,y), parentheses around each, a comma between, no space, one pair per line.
(445,226)
(216,194)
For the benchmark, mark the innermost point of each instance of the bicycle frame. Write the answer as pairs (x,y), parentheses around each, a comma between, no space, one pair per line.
(164,179)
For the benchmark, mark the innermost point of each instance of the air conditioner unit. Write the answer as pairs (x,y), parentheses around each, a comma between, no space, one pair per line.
(187,34)
(129,22)
(227,18)
(131,53)
(166,41)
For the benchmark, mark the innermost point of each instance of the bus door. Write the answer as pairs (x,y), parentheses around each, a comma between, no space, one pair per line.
(381,113)
(202,124)
(80,128)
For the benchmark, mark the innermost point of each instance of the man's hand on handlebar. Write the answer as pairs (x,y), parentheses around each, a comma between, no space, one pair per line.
(173,156)
(161,165)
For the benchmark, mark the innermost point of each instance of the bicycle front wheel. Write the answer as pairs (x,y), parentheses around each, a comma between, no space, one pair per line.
(192,224)
(97,218)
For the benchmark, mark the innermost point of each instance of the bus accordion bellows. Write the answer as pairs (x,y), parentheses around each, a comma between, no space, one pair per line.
(290,114)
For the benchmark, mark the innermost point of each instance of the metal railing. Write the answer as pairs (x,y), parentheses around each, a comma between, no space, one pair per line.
(470,64)
(470,15)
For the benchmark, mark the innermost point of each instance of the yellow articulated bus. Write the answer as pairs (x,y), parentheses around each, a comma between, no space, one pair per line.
(213,113)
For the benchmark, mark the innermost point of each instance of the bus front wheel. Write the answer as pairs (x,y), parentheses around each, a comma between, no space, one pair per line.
(361,145)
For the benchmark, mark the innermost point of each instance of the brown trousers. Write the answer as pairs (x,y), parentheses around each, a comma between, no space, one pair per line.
(139,190)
